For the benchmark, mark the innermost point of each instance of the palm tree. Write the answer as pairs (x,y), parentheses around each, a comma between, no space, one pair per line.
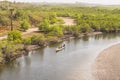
(11,17)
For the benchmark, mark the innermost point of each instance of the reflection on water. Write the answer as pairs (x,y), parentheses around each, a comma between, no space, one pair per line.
(107,36)
(85,38)
(73,63)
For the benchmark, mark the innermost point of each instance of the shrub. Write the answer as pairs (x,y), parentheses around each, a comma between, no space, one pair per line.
(1,55)
(85,28)
(14,35)
(52,38)
(44,26)
(25,25)
(56,30)
(27,41)
(38,39)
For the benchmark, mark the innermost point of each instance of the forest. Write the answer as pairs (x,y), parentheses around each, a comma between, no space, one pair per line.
(46,18)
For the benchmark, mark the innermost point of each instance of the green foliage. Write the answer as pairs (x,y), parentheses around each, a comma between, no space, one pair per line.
(44,26)
(17,41)
(75,30)
(93,18)
(53,18)
(9,47)
(56,30)
(21,14)
(85,28)
(35,18)
(51,37)
(38,39)
(27,41)
(60,21)
(4,21)
(1,55)
(3,43)
(25,25)
(14,35)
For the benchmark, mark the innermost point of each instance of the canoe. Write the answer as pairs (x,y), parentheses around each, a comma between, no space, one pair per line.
(59,49)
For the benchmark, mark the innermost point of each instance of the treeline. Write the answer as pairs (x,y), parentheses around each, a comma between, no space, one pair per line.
(98,19)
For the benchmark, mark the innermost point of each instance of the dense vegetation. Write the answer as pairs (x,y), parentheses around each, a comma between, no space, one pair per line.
(87,18)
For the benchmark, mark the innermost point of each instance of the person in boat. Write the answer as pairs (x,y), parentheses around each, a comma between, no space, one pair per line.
(60,47)
(63,45)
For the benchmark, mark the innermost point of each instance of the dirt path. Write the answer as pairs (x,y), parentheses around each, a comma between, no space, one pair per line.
(68,21)
(30,31)
(107,65)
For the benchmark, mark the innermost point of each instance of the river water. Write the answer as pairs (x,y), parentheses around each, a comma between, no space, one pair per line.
(73,63)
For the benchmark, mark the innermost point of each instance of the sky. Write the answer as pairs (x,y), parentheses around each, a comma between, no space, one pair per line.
(106,2)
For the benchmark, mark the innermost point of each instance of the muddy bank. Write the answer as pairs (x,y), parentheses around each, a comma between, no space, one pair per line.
(107,64)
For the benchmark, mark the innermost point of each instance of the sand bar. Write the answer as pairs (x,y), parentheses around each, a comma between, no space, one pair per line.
(107,64)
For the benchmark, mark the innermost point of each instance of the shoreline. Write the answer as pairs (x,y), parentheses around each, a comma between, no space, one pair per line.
(107,64)
(26,49)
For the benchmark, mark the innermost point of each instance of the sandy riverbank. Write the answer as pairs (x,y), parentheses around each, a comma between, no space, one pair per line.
(107,64)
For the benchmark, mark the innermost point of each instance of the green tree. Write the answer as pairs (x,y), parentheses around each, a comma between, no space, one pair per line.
(56,30)
(53,18)
(21,14)
(38,39)
(44,26)
(14,35)
(27,41)
(85,28)
(25,25)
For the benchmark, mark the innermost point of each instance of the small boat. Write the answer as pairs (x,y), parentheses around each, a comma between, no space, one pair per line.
(60,48)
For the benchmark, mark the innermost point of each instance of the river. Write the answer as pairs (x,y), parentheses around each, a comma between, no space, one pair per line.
(73,63)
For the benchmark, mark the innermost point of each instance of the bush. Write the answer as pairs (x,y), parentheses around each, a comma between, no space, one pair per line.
(38,39)
(25,25)
(3,44)
(52,38)
(9,48)
(14,35)
(27,41)
(17,41)
(44,26)
(85,28)
(1,55)
(56,30)
(53,18)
